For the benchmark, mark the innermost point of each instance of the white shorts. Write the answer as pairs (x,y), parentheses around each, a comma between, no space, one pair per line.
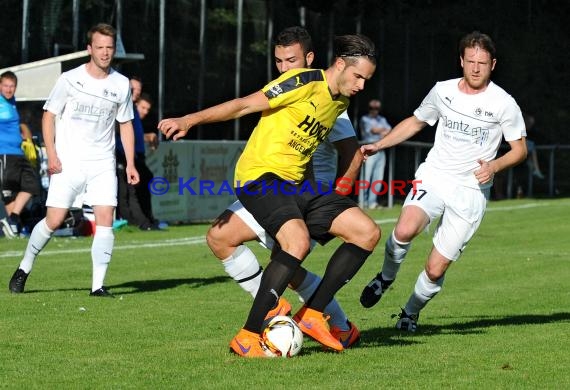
(264,239)
(461,209)
(94,181)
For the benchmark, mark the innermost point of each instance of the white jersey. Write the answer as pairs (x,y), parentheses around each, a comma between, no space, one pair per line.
(470,128)
(325,157)
(86,109)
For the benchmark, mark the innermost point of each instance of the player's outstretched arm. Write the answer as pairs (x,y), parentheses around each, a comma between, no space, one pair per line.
(405,130)
(177,128)
(350,158)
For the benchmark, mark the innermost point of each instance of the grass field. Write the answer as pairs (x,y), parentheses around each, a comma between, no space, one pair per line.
(501,321)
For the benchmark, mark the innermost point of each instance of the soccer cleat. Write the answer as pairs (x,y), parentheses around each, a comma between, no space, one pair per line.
(10,230)
(283,308)
(248,344)
(101,292)
(314,324)
(372,293)
(346,337)
(406,322)
(18,281)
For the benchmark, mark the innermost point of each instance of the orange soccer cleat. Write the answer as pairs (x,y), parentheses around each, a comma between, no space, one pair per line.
(346,337)
(283,308)
(314,324)
(248,344)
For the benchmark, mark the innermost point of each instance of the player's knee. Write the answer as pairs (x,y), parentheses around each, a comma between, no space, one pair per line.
(53,223)
(434,273)
(302,249)
(218,243)
(404,232)
(368,237)
(298,247)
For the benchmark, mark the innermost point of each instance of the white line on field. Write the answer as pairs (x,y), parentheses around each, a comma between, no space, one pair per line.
(201,239)
(518,207)
(156,244)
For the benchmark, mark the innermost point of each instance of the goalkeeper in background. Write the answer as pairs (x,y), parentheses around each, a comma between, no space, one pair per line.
(18,178)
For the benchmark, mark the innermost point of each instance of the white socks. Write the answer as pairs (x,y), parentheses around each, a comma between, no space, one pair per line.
(424,290)
(38,240)
(308,287)
(394,254)
(101,251)
(243,267)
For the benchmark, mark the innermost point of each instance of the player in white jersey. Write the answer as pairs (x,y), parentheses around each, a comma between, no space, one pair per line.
(473,116)
(236,225)
(78,128)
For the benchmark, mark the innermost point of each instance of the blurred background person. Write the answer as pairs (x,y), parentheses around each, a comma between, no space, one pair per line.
(18,179)
(373,127)
(134,203)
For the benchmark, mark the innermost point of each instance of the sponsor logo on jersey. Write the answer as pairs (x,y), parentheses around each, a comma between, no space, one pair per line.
(313,128)
(463,132)
(106,93)
(275,90)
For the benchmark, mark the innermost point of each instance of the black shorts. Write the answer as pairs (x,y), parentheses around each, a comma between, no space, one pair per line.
(17,175)
(273,201)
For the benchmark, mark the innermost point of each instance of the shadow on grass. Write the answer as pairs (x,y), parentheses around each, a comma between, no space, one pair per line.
(391,336)
(143,286)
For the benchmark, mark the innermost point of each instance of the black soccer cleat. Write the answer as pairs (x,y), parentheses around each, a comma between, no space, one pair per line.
(101,292)
(18,281)
(374,290)
(406,322)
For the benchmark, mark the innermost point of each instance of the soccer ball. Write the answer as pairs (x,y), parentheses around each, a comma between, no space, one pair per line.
(282,337)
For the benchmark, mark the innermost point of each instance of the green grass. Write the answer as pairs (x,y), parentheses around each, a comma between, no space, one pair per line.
(501,321)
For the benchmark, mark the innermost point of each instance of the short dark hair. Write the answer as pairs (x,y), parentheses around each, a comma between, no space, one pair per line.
(292,35)
(101,28)
(350,47)
(146,97)
(10,76)
(479,39)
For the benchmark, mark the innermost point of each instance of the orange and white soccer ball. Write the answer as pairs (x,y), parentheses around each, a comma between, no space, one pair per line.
(282,337)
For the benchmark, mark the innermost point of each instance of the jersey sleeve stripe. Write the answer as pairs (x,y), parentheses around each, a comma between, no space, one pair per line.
(295,81)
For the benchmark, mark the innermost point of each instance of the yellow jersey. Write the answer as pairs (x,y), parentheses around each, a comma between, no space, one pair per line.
(301,116)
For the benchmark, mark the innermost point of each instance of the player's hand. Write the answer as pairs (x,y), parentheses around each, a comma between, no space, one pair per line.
(54,165)
(174,128)
(132,175)
(485,173)
(368,150)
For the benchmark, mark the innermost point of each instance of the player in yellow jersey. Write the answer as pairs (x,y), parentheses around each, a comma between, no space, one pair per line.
(298,111)
(293,49)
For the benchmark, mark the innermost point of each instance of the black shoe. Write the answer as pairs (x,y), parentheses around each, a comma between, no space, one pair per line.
(374,290)
(18,281)
(406,322)
(101,292)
